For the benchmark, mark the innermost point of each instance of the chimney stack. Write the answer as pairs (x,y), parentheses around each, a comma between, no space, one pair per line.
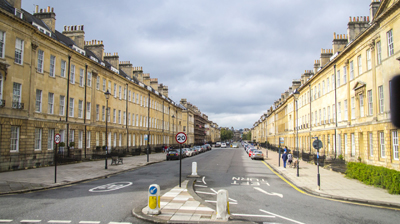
(326,55)
(47,16)
(76,34)
(97,47)
(15,3)
(138,73)
(154,83)
(373,8)
(356,26)
(317,65)
(296,84)
(113,59)
(165,91)
(146,79)
(339,42)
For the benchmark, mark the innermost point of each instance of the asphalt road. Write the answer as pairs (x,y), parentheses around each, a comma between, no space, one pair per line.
(257,195)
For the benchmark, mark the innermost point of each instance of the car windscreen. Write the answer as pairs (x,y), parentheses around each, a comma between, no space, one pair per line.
(172,151)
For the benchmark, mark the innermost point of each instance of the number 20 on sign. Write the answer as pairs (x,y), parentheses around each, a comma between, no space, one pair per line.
(181,137)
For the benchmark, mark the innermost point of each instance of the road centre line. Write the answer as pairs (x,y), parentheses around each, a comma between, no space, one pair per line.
(203,179)
(202,192)
(281,217)
(272,194)
(31,220)
(89,222)
(5,220)
(119,223)
(59,221)
(250,215)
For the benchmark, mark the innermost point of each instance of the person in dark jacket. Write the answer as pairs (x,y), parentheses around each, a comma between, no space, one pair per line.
(284,158)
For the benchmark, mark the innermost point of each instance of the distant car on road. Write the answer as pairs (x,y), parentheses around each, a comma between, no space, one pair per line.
(218,144)
(235,145)
(223,145)
(172,154)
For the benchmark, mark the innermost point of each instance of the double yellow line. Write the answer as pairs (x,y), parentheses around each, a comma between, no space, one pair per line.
(331,199)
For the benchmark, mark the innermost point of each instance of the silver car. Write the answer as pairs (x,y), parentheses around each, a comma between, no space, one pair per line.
(257,154)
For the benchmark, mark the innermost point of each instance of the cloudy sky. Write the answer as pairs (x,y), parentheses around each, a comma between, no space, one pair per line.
(231,58)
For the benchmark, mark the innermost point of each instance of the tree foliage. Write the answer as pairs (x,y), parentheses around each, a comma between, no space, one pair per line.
(226,134)
(247,136)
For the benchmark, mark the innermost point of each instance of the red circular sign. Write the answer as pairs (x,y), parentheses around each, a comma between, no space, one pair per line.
(181,137)
(57,138)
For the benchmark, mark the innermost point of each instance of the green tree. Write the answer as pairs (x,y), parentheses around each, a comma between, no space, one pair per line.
(226,134)
(247,136)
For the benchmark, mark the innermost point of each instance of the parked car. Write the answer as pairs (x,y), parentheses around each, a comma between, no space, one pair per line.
(223,145)
(198,148)
(235,145)
(251,151)
(190,152)
(218,144)
(257,154)
(172,154)
(208,146)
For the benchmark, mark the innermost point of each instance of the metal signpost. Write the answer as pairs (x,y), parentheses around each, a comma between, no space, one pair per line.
(317,144)
(57,139)
(180,138)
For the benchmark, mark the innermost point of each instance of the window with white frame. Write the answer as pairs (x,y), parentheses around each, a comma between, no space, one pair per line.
(370,104)
(80,109)
(72,77)
(124,93)
(137,120)
(345,110)
(353,108)
(120,140)
(382,144)
(333,82)
(351,70)
(327,85)
(115,90)
(97,112)
(137,98)
(89,79)
(378,53)
(338,77)
(109,140)
(71,107)
(2,43)
(38,138)
(119,92)
(119,116)
(323,88)
(134,140)
(52,66)
(88,110)
(329,114)
(324,120)
(97,139)
(19,51)
(108,114)
(133,97)
(381,102)
(63,68)
(124,118)
(369,64)
(104,84)
(353,144)
(62,105)
(346,149)
(115,139)
(395,144)
(114,116)
(88,136)
(50,139)
(72,136)
(129,118)
(103,138)
(51,103)
(80,139)
(103,113)
(38,100)
(81,71)
(109,86)
(361,101)
(371,144)
(359,62)
(344,74)
(129,140)
(129,96)
(14,147)
(320,116)
(98,83)
(389,35)
(40,61)
(333,113)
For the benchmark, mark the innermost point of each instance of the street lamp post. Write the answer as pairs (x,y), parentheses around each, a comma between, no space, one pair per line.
(296,97)
(107,94)
(173,125)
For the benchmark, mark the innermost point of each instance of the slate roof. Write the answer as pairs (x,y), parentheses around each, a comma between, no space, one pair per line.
(6,6)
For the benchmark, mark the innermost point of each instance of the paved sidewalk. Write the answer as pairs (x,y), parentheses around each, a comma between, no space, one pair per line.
(178,205)
(42,178)
(333,184)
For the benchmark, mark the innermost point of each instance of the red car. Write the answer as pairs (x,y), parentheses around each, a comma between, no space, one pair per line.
(251,151)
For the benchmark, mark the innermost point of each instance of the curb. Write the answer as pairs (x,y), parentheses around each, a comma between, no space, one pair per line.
(73,182)
(316,193)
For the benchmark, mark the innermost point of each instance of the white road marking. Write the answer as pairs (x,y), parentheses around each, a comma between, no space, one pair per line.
(250,215)
(196,185)
(281,217)
(59,221)
(30,220)
(111,187)
(5,220)
(231,203)
(202,192)
(204,182)
(214,191)
(273,193)
(119,223)
(89,222)
(268,184)
(232,199)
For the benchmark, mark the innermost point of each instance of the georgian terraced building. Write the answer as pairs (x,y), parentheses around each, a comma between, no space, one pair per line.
(55,82)
(345,100)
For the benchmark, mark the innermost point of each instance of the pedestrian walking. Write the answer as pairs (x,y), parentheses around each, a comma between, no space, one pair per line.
(286,149)
(290,158)
(284,158)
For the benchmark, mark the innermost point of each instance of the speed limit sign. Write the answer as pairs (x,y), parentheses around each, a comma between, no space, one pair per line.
(181,137)
(57,138)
